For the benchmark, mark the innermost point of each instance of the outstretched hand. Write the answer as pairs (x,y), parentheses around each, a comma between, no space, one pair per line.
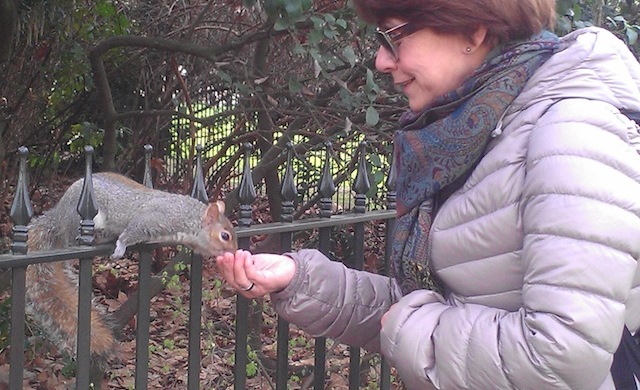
(256,275)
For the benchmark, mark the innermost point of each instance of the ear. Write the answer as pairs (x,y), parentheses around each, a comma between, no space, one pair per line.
(220,205)
(477,39)
(212,213)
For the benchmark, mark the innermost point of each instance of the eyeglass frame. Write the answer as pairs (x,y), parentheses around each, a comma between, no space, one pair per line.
(388,38)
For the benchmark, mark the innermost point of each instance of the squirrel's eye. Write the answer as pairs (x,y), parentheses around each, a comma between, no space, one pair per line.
(225,236)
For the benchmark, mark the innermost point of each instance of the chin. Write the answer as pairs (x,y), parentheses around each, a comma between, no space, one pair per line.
(417,107)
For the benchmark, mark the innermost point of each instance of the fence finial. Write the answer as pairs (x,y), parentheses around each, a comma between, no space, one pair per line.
(21,209)
(391,183)
(199,190)
(288,189)
(247,191)
(327,186)
(148,180)
(362,185)
(87,207)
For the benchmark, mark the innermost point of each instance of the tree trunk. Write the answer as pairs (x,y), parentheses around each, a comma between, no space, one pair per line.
(8,23)
(598,14)
(265,128)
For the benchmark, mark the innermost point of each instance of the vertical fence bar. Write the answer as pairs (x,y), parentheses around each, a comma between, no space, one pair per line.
(148,179)
(18,295)
(195,287)
(385,370)
(361,186)
(143,320)
(195,318)
(289,193)
(326,189)
(87,209)
(144,297)
(20,213)
(246,196)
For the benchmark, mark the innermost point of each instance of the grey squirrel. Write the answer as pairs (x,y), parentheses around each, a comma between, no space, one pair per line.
(129,213)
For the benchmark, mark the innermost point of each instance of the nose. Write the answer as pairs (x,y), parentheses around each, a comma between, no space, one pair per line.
(385,62)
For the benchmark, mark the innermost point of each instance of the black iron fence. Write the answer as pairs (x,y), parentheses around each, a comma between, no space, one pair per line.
(323,223)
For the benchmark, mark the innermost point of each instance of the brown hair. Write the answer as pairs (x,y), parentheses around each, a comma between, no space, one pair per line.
(505,20)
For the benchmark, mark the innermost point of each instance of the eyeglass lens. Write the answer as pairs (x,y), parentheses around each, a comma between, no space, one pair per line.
(385,41)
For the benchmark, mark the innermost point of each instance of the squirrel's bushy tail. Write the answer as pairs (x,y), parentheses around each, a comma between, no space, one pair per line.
(52,299)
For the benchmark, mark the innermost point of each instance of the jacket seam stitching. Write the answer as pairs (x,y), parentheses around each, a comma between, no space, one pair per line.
(608,245)
(584,196)
(573,155)
(476,218)
(570,288)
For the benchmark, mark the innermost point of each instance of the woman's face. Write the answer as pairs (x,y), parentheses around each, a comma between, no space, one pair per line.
(428,65)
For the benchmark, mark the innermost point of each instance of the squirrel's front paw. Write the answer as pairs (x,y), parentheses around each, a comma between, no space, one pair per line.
(119,251)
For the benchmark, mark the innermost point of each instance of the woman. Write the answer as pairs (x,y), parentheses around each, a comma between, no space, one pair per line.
(514,255)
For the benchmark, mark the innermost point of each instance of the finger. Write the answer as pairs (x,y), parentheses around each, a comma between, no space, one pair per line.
(239,273)
(261,284)
(224,263)
(229,264)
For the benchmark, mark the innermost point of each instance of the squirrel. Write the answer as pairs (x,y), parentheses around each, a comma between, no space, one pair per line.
(130,213)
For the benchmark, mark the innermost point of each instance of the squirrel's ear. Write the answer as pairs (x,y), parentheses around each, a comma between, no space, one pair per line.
(213,212)
(220,205)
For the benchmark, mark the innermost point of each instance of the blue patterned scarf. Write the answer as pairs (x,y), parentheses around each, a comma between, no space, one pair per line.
(439,147)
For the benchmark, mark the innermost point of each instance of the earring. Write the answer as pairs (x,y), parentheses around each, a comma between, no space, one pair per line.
(468,49)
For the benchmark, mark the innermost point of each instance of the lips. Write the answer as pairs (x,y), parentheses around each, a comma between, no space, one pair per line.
(401,86)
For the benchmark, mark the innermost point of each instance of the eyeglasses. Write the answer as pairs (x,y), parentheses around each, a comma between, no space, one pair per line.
(388,38)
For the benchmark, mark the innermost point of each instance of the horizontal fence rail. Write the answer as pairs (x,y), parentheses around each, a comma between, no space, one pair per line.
(324,223)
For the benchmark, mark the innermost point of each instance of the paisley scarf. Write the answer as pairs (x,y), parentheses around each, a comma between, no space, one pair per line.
(437,148)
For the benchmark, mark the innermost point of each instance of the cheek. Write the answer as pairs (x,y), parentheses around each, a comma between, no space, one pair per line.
(445,78)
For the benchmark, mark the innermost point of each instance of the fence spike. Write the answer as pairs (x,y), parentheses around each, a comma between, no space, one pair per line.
(288,191)
(148,180)
(199,190)
(362,185)
(247,191)
(87,207)
(327,186)
(391,177)
(21,208)
(391,183)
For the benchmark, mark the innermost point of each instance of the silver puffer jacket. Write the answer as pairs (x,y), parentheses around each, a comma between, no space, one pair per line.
(538,249)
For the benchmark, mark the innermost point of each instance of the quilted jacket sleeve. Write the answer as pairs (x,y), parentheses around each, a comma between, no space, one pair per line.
(580,215)
(325,298)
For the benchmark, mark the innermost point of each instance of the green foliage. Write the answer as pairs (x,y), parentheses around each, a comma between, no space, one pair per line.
(300,341)
(336,44)
(285,13)
(252,365)
(252,362)
(377,168)
(48,81)
(68,370)
(618,16)
(84,134)
(628,31)
(83,25)
(5,323)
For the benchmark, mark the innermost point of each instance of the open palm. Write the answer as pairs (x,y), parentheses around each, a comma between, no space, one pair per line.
(267,272)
